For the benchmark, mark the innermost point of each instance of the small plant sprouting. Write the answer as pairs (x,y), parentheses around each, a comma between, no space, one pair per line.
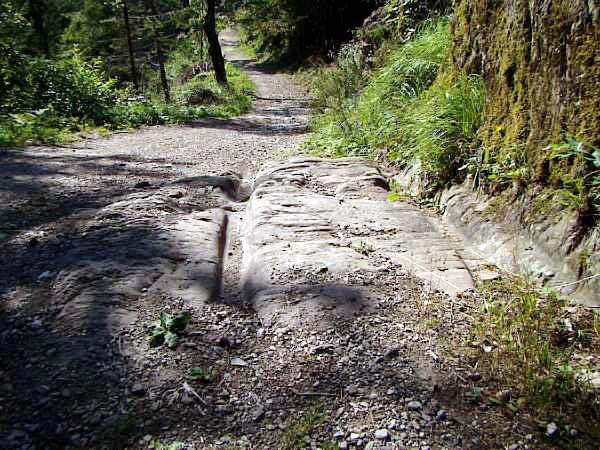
(202,375)
(168,329)
(158,445)
(363,248)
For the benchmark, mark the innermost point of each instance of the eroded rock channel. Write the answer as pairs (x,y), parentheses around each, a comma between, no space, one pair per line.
(308,292)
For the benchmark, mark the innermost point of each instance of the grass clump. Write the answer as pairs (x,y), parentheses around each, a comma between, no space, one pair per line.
(300,427)
(404,111)
(535,346)
(440,128)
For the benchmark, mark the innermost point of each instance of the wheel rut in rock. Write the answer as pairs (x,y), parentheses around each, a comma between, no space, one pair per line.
(298,277)
(319,235)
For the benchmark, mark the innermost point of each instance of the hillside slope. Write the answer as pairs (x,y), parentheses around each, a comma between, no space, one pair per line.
(503,97)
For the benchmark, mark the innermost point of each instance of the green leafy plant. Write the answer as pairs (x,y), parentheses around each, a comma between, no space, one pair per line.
(118,433)
(575,165)
(202,375)
(158,445)
(363,248)
(168,329)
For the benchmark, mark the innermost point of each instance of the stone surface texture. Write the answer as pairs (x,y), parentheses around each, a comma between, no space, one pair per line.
(313,216)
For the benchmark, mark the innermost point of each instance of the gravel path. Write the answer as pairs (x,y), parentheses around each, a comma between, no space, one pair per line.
(101,237)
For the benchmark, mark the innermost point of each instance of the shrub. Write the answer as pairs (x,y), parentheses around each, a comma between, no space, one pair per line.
(332,86)
(72,87)
(359,124)
(404,109)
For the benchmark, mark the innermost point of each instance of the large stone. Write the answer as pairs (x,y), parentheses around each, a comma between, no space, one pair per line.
(164,242)
(312,222)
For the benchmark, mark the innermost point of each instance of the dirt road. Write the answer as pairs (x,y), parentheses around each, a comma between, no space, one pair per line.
(309,327)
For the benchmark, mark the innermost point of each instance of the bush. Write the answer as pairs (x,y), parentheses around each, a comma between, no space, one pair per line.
(43,125)
(332,86)
(72,87)
(44,100)
(362,123)
(404,110)
(292,30)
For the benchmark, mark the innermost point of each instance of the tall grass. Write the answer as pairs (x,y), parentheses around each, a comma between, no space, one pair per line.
(440,128)
(404,109)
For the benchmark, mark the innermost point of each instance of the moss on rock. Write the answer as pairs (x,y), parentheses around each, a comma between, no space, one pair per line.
(540,61)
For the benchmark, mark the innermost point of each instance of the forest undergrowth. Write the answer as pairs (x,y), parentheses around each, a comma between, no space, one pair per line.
(73,88)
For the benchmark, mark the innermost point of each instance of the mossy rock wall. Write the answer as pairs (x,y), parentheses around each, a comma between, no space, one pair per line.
(540,61)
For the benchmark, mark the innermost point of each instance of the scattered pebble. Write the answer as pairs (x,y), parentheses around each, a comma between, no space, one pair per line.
(414,405)
(382,435)
(551,430)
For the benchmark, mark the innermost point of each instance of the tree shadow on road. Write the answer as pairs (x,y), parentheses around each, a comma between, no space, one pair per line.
(77,368)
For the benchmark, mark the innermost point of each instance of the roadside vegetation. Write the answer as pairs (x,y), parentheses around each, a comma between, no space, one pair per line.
(527,352)
(393,93)
(539,351)
(402,111)
(86,82)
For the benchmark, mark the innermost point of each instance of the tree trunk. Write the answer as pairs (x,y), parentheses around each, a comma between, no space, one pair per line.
(214,48)
(159,54)
(202,50)
(134,75)
(37,9)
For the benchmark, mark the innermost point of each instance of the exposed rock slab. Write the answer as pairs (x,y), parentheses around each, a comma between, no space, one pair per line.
(164,242)
(539,249)
(312,216)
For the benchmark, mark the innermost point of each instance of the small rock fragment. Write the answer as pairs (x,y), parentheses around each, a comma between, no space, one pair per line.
(44,275)
(338,435)
(392,353)
(551,430)
(258,413)
(239,362)
(325,348)
(414,405)
(138,389)
(382,434)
